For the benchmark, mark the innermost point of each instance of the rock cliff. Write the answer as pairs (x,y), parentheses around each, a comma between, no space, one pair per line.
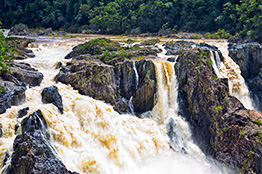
(220,124)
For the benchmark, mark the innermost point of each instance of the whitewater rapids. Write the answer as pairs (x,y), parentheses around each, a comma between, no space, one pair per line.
(90,137)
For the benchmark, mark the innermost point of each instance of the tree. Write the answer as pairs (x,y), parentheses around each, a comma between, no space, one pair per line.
(250,20)
(4,58)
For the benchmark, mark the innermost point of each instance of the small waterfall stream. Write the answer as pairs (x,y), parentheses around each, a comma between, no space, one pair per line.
(230,70)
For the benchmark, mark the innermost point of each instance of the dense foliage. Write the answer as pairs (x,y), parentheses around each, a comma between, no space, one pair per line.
(120,16)
(4,57)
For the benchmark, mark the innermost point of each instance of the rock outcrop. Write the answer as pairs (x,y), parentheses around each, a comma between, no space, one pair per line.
(51,95)
(249,58)
(116,77)
(220,124)
(18,48)
(33,151)
(114,84)
(13,84)
(90,78)
(19,30)
(26,74)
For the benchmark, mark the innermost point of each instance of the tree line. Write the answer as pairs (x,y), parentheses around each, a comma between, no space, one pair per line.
(125,16)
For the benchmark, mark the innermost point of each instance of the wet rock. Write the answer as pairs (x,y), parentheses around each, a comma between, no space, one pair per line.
(33,151)
(249,58)
(11,94)
(122,106)
(171,59)
(145,96)
(26,74)
(19,30)
(45,32)
(58,65)
(175,48)
(18,46)
(51,95)
(90,78)
(220,124)
(23,112)
(105,71)
(14,84)
(128,80)
(1,131)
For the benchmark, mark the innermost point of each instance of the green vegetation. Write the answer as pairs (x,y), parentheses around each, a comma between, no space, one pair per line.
(220,34)
(4,57)
(110,52)
(150,42)
(97,46)
(130,41)
(136,16)
(258,122)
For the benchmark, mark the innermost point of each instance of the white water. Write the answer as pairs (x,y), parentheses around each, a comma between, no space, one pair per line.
(215,64)
(230,70)
(90,137)
(5,31)
(136,73)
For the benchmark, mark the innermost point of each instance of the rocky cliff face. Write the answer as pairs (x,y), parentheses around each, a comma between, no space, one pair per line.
(221,125)
(114,84)
(118,77)
(13,84)
(33,151)
(249,58)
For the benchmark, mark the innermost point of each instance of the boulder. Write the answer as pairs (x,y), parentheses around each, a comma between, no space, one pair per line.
(51,95)
(18,47)
(32,150)
(45,32)
(11,94)
(26,74)
(58,65)
(22,112)
(19,30)
(90,78)
(13,84)
(221,125)
(175,48)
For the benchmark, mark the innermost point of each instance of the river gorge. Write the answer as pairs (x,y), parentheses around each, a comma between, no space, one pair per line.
(177,106)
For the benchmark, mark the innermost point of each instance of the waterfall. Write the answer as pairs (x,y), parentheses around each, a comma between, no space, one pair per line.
(166,111)
(136,74)
(230,70)
(215,63)
(90,137)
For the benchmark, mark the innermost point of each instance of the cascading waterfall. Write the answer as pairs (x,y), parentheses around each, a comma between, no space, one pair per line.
(215,63)
(90,137)
(230,70)
(130,104)
(166,111)
(136,74)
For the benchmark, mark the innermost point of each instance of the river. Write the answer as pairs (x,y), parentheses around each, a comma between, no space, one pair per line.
(90,137)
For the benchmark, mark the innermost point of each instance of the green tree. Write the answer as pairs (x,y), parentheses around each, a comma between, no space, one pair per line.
(250,20)
(4,57)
